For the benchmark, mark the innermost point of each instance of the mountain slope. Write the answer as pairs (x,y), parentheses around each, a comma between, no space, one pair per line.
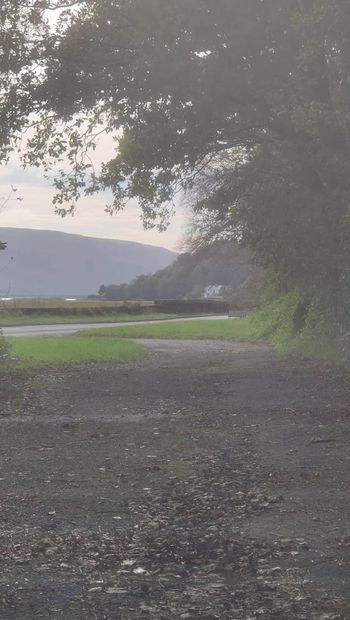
(48,263)
(224,263)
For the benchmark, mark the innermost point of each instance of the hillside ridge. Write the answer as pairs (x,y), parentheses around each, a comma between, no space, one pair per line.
(54,263)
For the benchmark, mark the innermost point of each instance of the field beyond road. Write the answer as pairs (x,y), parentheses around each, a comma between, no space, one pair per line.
(8,319)
(209,480)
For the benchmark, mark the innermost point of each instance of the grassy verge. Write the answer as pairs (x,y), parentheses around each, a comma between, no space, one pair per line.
(33,352)
(288,324)
(235,329)
(9,319)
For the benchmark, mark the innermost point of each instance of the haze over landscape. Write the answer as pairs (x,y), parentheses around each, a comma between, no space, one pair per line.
(48,263)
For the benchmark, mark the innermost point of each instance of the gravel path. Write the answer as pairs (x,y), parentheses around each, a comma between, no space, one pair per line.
(210,480)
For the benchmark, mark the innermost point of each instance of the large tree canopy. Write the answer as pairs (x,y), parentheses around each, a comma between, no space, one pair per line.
(243,103)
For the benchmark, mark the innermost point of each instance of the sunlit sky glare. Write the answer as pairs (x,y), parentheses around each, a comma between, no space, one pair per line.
(35,210)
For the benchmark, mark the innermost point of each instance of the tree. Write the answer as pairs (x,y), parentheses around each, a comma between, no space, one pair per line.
(247,99)
(223,263)
(25,38)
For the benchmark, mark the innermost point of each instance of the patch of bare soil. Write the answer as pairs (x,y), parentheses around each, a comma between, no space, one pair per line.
(209,481)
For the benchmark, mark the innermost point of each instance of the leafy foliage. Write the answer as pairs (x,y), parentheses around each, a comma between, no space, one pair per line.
(244,105)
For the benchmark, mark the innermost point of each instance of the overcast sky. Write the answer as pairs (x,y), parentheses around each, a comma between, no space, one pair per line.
(36,211)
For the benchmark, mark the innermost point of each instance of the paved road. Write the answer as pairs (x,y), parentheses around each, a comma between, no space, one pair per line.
(66,330)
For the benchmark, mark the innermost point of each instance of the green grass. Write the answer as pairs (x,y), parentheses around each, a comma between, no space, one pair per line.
(279,323)
(32,352)
(8,319)
(287,324)
(274,324)
(228,329)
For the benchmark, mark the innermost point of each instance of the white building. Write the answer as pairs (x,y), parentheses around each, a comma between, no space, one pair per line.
(214,290)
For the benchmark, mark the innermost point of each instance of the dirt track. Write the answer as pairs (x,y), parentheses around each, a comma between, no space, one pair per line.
(210,480)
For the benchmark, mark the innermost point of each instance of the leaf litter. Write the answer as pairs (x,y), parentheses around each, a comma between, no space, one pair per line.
(185,558)
(182,554)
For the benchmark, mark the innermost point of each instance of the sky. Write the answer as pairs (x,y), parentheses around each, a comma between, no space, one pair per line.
(35,210)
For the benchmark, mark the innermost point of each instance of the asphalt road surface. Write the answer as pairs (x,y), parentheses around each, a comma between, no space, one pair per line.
(67,330)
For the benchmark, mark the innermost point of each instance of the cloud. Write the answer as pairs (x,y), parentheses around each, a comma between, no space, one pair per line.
(36,211)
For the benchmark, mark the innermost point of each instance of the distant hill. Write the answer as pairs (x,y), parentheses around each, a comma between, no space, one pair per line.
(224,263)
(48,263)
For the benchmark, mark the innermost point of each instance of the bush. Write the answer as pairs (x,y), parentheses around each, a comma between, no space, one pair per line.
(277,321)
(293,324)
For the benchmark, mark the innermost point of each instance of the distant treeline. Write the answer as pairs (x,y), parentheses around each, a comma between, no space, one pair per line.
(224,263)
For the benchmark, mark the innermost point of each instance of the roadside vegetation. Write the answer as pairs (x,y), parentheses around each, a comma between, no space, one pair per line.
(290,324)
(307,326)
(237,329)
(36,352)
(269,168)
